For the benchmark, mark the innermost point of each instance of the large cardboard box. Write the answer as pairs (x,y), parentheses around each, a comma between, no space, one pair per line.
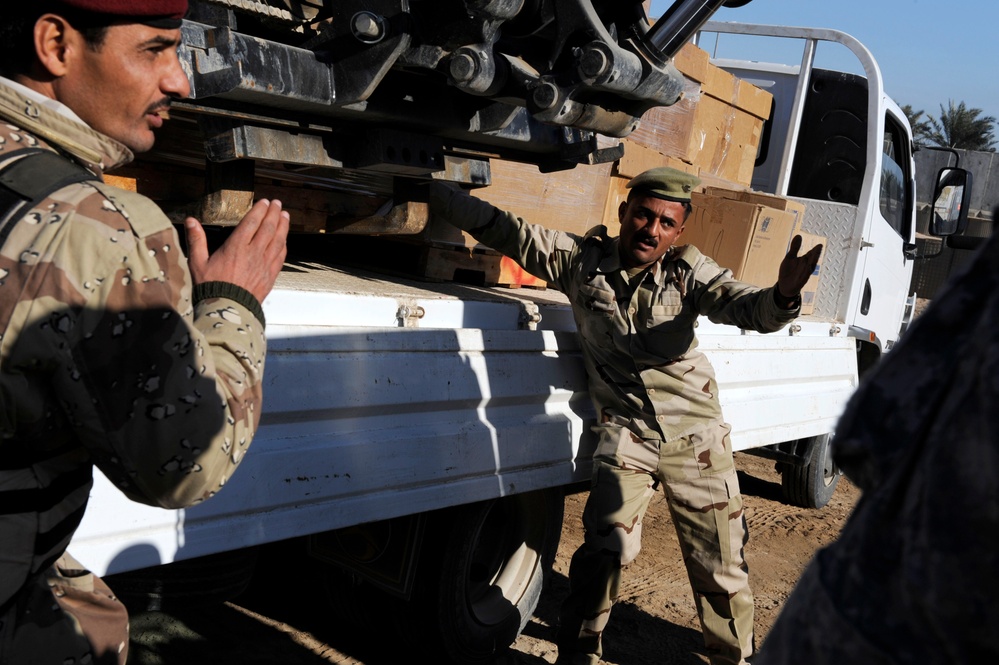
(749,238)
(717,125)
(763,198)
(770,200)
(573,200)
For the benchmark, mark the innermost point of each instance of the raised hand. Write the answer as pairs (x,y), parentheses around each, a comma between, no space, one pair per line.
(251,257)
(795,270)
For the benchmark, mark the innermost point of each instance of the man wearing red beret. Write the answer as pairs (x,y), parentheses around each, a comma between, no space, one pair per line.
(115,349)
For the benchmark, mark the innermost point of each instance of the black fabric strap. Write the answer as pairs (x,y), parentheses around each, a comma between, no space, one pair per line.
(40,499)
(27,181)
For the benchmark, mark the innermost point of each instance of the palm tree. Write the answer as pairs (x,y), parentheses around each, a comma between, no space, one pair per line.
(962,128)
(921,128)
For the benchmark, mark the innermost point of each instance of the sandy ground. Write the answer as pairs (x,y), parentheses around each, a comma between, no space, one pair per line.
(653,622)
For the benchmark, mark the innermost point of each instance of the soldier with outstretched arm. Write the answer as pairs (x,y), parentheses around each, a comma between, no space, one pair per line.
(116,350)
(635,299)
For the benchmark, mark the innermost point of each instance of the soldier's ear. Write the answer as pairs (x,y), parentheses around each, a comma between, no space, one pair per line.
(54,43)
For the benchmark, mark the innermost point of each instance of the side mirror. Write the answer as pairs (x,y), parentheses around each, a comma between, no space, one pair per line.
(951,198)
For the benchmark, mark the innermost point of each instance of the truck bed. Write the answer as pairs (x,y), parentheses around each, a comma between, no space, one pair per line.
(370,413)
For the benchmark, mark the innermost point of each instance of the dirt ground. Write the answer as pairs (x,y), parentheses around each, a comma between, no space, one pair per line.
(653,622)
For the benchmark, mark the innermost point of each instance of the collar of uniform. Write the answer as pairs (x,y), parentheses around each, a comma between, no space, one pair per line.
(44,118)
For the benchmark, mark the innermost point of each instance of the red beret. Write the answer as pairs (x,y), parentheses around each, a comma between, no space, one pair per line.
(143,9)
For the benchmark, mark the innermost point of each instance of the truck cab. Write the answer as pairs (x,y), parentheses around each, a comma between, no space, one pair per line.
(839,144)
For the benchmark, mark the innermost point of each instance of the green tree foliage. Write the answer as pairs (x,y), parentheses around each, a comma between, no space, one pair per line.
(963,128)
(921,128)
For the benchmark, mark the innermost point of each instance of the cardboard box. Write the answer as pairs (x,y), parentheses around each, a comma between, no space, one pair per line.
(811,289)
(570,200)
(749,238)
(573,200)
(716,126)
(770,200)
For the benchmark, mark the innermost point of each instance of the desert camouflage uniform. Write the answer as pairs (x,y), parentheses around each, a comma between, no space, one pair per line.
(660,419)
(108,358)
(912,577)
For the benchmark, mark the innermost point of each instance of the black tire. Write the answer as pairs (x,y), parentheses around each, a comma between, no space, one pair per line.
(203,580)
(811,485)
(496,559)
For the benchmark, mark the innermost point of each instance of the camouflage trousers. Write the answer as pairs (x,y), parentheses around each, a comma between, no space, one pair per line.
(67,616)
(698,477)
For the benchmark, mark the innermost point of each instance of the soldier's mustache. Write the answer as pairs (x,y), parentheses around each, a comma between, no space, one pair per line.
(161,108)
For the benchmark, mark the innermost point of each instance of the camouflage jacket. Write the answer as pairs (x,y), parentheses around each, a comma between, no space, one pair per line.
(912,576)
(107,358)
(645,372)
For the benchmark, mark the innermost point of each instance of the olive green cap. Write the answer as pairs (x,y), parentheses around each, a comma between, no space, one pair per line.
(665,182)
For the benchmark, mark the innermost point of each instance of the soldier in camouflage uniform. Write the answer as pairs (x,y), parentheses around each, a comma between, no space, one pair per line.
(912,577)
(635,299)
(115,349)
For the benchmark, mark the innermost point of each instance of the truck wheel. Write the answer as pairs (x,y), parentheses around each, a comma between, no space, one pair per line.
(496,558)
(811,485)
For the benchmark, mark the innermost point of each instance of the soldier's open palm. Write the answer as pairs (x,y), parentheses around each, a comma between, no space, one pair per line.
(795,270)
(251,257)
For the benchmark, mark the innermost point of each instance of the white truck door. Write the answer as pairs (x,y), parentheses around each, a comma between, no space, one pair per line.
(888,242)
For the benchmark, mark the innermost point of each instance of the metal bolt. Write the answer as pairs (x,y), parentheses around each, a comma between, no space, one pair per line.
(367,26)
(593,63)
(545,95)
(463,67)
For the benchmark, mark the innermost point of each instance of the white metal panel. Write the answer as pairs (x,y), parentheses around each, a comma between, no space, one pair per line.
(788,389)
(366,424)
(840,277)
(781,386)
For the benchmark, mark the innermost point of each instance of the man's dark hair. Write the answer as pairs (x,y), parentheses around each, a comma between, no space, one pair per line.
(17,47)
(687,209)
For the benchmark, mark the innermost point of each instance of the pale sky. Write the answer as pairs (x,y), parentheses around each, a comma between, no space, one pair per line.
(929,51)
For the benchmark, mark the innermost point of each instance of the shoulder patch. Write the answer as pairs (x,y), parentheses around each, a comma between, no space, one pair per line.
(144,216)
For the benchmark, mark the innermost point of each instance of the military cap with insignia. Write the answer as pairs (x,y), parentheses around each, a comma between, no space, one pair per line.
(665,182)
